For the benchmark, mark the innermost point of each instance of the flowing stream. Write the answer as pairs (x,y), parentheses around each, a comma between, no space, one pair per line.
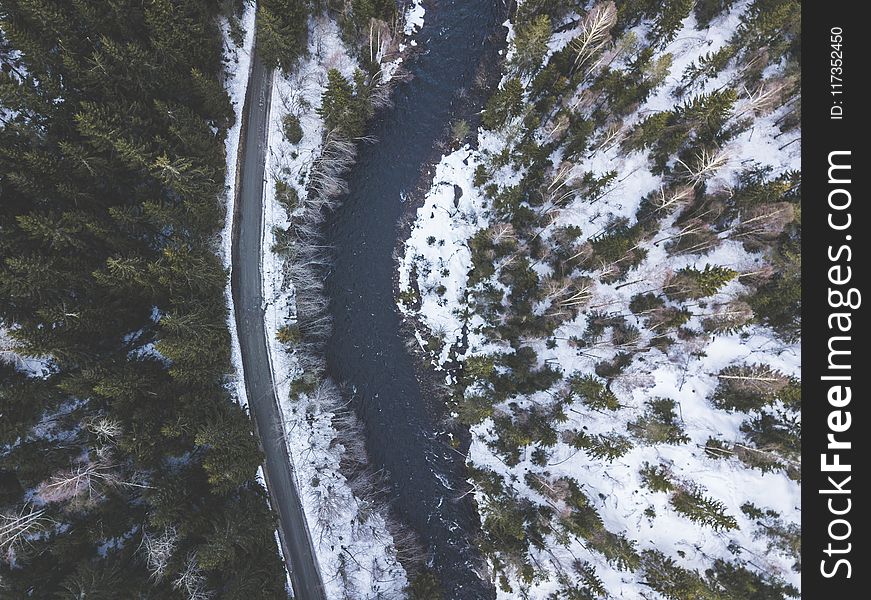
(367,352)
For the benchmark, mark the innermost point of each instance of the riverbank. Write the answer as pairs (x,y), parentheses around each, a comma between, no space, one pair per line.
(360,548)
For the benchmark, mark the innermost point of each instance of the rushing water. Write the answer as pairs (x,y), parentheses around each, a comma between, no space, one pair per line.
(367,352)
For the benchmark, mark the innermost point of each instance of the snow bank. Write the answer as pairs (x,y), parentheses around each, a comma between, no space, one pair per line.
(237,61)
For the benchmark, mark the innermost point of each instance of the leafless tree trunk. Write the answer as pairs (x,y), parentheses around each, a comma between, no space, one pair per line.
(17,527)
(159,550)
(595,32)
(191,581)
(707,163)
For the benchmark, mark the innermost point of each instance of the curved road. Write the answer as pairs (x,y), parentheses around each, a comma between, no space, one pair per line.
(248,301)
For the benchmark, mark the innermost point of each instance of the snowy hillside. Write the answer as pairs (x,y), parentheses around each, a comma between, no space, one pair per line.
(621,249)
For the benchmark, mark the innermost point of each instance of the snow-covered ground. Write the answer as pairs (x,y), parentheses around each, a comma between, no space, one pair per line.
(414,17)
(30,365)
(437,254)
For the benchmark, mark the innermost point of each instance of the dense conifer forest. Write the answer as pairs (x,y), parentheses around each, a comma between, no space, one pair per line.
(127,471)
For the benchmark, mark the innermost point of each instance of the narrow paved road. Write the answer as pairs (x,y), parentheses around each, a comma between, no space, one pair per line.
(248,300)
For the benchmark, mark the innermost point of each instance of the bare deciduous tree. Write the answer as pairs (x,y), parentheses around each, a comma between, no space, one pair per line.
(16,527)
(672,197)
(705,165)
(191,581)
(159,550)
(595,32)
(105,428)
(765,98)
(567,294)
(763,223)
(81,482)
(727,316)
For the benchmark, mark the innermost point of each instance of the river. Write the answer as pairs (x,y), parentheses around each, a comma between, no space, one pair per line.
(367,351)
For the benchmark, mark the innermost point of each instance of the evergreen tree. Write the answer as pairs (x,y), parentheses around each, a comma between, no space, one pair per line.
(659,423)
(777,434)
(594,393)
(530,44)
(507,102)
(691,283)
(668,21)
(345,106)
(751,387)
(111,182)
(282,29)
(693,504)
(735,582)
(674,582)
(425,586)
(777,303)
(707,10)
(606,446)
(656,478)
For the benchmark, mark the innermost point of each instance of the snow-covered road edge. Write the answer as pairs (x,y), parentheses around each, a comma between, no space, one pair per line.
(238,70)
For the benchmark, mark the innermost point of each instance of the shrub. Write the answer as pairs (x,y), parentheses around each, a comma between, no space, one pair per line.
(659,423)
(460,130)
(286,195)
(288,334)
(593,392)
(292,128)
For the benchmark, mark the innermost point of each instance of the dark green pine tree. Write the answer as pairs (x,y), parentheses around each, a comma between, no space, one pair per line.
(734,581)
(505,103)
(674,582)
(707,511)
(282,31)
(345,105)
(531,44)
(668,21)
(691,283)
(425,586)
(748,388)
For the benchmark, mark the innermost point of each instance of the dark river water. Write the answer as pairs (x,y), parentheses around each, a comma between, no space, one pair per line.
(367,351)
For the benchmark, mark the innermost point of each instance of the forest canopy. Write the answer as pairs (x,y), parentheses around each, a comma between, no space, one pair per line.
(128,471)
